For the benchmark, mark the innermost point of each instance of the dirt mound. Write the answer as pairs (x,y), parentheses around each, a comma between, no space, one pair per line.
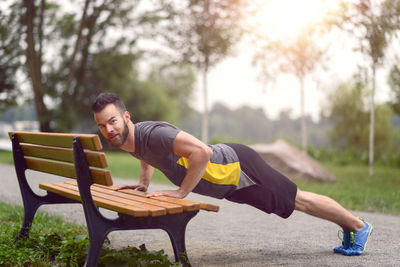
(292,162)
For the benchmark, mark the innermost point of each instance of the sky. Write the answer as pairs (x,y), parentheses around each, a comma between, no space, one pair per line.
(234,83)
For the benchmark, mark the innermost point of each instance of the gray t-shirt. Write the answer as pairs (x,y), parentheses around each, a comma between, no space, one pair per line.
(154,145)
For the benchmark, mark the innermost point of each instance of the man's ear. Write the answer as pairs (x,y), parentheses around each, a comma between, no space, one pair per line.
(127,116)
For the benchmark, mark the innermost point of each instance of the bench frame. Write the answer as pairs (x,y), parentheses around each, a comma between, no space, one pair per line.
(98,225)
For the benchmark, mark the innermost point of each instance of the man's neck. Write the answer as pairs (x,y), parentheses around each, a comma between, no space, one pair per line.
(129,145)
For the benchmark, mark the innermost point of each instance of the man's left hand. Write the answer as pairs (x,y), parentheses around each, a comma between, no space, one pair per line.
(168,193)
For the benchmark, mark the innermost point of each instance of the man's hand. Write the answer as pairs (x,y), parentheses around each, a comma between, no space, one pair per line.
(168,193)
(138,187)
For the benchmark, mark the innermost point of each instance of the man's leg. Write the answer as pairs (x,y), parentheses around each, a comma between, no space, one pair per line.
(326,208)
(356,231)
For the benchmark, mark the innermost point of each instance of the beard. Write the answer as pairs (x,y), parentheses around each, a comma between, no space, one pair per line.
(120,138)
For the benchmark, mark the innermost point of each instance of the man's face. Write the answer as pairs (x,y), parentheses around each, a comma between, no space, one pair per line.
(113,125)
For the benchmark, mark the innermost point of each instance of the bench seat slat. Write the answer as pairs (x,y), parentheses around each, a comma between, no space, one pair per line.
(171,208)
(95,159)
(187,205)
(58,188)
(107,194)
(88,141)
(66,170)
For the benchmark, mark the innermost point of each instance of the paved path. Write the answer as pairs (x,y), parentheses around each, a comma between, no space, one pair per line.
(239,235)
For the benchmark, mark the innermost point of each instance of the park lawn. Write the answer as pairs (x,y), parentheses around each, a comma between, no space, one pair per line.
(123,165)
(6,157)
(354,188)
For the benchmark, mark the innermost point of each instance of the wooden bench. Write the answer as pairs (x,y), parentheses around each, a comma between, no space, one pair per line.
(77,156)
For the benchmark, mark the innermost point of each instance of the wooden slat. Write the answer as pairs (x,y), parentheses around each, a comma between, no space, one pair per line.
(188,205)
(88,141)
(95,159)
(58,188)
(209,207)
(171,208)
(67,170)
(119,197)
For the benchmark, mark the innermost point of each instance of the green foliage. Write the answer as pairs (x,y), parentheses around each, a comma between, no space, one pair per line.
(132,256)
(53,242)
(350,129)
(373,24)
(43,245)
(394,84)
(346,111)
(151,102)
(10,53)
(93,49)
(178,82)
(203,32)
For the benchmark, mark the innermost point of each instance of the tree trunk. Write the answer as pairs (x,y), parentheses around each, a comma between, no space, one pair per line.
(71,66)
(204,126)
(303,119)
(372,124)
(34,67)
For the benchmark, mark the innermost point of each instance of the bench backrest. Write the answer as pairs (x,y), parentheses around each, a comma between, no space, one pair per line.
(53,153)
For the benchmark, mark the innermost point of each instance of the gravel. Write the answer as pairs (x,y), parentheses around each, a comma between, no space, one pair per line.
(239,235)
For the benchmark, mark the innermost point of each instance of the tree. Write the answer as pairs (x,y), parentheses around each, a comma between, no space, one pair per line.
(346,111)
(372,24)
(163,95)
(394,83)
(203,33)
(72,55)
(299,56)
(10,55)
(34,57)
(350,130)
(177,81)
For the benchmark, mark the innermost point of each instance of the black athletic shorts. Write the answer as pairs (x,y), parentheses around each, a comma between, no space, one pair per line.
(272,193)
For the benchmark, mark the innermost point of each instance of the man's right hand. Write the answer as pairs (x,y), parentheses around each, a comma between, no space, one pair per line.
(138,187)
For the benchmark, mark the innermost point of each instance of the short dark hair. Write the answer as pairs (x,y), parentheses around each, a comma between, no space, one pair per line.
(104,99)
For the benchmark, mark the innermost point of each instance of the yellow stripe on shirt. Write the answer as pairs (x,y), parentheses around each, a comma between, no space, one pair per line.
(228,174)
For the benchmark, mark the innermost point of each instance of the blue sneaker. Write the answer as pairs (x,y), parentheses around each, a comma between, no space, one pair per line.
(345,242)
(358,240)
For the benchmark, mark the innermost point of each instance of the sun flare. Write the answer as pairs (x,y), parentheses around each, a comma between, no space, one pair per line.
(285,18)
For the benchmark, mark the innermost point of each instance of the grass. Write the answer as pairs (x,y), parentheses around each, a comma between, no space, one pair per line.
(6,157)
(354,188)
(54,242)
(123,165)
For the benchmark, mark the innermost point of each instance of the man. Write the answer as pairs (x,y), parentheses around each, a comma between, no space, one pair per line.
(231,171)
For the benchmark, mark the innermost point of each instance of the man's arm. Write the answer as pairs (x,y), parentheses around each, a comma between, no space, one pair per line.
(198,155)
(146,172)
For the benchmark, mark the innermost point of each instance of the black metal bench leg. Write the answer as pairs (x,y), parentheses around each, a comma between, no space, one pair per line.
(95,245)
(177,236)
(176,228)
(29,213)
